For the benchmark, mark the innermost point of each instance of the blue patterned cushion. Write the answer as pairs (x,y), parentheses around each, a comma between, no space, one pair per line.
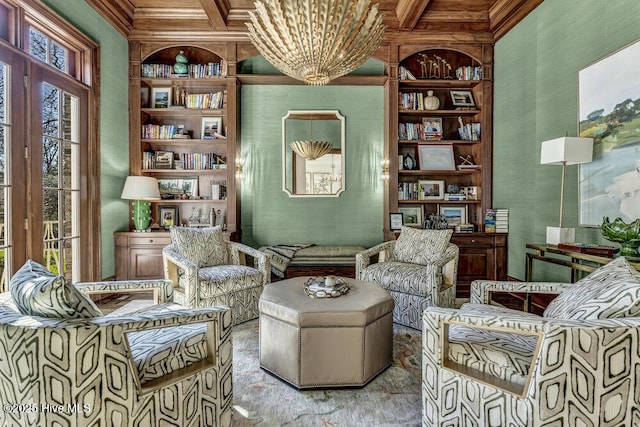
(418,246)
(38,292)
(612,290)
(205,247)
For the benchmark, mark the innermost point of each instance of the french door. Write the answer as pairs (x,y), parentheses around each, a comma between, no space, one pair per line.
(44,182)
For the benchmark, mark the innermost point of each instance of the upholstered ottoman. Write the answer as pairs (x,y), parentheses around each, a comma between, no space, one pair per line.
(325,342)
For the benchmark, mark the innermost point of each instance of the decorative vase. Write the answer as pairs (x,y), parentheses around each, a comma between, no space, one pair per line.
(628,235)
(180,67)
(431,102)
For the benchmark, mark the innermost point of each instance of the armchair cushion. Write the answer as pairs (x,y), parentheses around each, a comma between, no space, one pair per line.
(400,276)
(611,291)
(38,292)
(205,247)
(418,246)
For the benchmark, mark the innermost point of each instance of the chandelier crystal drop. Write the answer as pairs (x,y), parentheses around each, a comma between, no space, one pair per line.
(316,40)
(311,150)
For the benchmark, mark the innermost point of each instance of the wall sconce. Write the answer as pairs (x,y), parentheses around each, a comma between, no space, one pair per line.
(238,168)
(385,169)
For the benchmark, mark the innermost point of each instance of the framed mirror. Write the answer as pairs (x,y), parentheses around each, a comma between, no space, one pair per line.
(313,153)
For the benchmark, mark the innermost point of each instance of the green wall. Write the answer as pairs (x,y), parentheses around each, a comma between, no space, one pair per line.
(269,216)
(113,120)
(536,99)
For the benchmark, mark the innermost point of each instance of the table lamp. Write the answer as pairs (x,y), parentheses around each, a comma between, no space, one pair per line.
(141,189)
(564,151)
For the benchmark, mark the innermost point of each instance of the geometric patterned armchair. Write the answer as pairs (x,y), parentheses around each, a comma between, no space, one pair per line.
(69,365)
(579,364)
(419,270)
(207,271)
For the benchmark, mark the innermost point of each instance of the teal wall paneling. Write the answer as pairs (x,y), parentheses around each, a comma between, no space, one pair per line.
(536,99)
(269,215)
(113,120)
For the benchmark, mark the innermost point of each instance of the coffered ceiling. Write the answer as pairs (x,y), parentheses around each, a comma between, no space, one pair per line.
(483,21)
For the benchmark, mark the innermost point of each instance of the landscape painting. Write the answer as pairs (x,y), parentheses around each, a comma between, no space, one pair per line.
(609,92)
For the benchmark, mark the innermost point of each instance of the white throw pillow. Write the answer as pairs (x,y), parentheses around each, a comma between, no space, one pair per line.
(418,246)
(612,290)
(38,292)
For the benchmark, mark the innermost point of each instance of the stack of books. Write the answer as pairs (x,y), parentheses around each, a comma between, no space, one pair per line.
(490,221)
(502,220)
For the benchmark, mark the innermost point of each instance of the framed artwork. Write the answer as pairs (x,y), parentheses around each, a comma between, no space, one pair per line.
(395,221)
(436,157)
(175,188)
(608,91)
(432,126)
(430,190)
(161,97)
(462,98)
(455,214)
(412,216)
(168,215)
(211,127)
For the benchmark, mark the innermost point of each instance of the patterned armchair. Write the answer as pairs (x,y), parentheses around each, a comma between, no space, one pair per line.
(69,365)
(208,271)
(577,365)
(419,270)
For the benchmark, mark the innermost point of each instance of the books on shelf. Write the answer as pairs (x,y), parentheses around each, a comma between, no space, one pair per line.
(469,73)
(186,161)
(160,131)
(496,221)
(201,101)
(590,249)
(195,71)
(405,74)
(417,132)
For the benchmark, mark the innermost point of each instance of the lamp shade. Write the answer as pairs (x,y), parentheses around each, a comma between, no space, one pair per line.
(568,150)
(141,188)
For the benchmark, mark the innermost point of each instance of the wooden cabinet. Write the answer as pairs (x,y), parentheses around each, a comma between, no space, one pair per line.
(183,132)
(139,255)
(482,256)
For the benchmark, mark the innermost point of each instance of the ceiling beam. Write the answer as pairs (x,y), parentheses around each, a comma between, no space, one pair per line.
(217,11)
(505,14)
(409,12)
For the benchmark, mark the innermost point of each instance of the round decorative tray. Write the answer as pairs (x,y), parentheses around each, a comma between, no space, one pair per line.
(315,287)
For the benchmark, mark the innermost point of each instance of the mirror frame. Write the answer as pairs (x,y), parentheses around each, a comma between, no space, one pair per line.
(292,114)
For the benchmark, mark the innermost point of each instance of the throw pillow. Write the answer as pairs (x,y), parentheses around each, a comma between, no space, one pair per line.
(205,246)
(38,292)
(612,290)
(418,246)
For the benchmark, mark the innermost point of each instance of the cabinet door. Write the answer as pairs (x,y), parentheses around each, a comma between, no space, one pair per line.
(481,257)
(145,263)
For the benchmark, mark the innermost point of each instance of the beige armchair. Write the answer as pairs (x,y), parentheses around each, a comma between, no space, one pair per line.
(165,365)
(419,270)
(579,364)
(208,271)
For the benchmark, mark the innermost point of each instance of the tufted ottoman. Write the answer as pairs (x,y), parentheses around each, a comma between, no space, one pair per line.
(331,342)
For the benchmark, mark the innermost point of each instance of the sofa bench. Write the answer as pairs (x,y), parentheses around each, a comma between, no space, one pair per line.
(324,260)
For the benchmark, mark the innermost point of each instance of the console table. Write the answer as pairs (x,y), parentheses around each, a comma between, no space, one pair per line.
(577,261)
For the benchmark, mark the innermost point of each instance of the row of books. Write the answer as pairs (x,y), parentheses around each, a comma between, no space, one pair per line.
(408,191)
(496,221)
(159,131)
(187,161)
(205,100)
(412,101)
(470,132)
(469,73)
(195,71)
(417,131)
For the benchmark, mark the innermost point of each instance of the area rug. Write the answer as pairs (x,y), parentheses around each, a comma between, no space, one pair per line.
(391,399)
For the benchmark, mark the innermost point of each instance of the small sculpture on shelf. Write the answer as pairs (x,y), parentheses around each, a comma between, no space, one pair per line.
(467,162)
(180,67)
(628,235)
(436,222)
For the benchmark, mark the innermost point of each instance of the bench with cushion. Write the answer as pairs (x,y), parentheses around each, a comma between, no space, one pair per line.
(324,260)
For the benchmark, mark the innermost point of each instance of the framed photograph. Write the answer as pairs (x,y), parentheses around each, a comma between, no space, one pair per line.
(395,221)
(430,190)
(432,126)
(462,98)
(436,157)
(161,97)
(455,214)
(176,188)
(168,216)
(412,216)
(211,127)
(609,186)
(472,192)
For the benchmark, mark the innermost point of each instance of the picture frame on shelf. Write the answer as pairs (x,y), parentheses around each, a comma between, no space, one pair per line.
(211,127)
(436,157)
(396,221)
(432,128)
(411,216)
(455,214)
(176,188)
(462,98)
(168,216)
(471,192)
(430,190)
(161,97)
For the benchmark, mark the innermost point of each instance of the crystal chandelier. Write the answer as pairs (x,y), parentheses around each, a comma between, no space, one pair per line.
(311,150)
(316,40)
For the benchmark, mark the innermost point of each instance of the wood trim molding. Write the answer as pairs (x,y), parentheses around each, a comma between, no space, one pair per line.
(505,14)
(217,11)
(409,13)
(119,14)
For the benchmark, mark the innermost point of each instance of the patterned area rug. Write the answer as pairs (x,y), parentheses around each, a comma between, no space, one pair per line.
(391,399)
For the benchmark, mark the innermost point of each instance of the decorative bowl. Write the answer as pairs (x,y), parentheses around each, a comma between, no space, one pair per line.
(628,235)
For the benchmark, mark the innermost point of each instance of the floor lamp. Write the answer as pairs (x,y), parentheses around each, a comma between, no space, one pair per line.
(141,189)
(564,151)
